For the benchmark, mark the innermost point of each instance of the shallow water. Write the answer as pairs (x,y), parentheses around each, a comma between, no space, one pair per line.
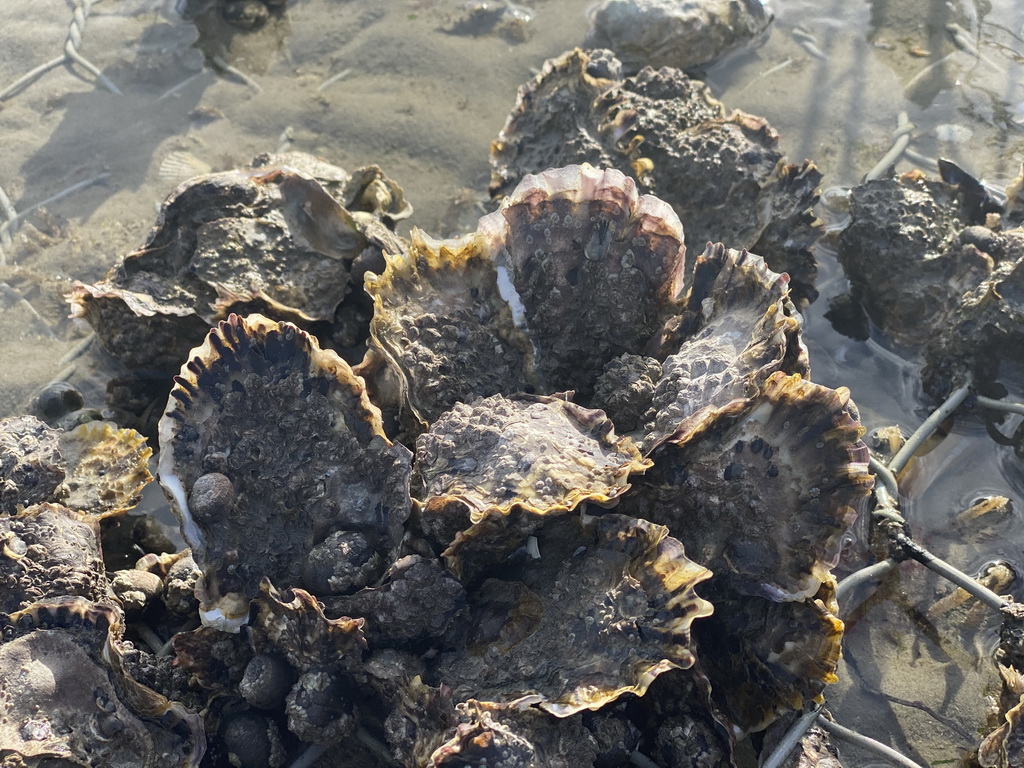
(832,77)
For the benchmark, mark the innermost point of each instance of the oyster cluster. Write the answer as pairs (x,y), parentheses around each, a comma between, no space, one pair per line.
(476,596)
(916,248)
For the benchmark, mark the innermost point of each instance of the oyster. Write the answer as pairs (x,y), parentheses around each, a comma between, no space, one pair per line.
(604,610)
(67,698)
(107,469)
(268,446)
(31,465)
(722,173)
(49,551)
(268,239)
(685,34)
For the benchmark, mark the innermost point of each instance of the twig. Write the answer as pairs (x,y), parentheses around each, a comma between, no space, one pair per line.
(860,740)
(931,562)
(312,753)
(174,89)
(640,760)
(333,79)
(13,224)
(792,738)
(884,474)
(11,214)
(901,138)
(152,639)
(78,350)
(922,433)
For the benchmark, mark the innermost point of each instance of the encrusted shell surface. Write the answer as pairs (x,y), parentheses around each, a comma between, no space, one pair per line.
(1004,746)
(722,173)
(762,491)
(440,319)
(31,464)
(594,266)
(738,327)
(268,445)
(604,609)
(540,454)
(49,551)
(766,658)
(686,34)
(269,240)
(65,696)
(107,469)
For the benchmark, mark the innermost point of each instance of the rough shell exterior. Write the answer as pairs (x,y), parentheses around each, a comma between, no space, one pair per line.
(49,551)
(604,609)
(31,465)
(65,695)
(269,240)
(565,236)
(686,34)
(268,446)
(107,469)
(440,320)
(762,491)
(737,328)
(540,454)
(715,169)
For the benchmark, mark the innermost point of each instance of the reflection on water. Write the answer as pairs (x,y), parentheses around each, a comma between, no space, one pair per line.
(403,85)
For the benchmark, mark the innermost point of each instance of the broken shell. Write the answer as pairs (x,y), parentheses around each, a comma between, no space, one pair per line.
(723,174)
(565,236)
(66,696)
(443,325)
(763,491)
(31,464)
(605,609)
(107,469)
(686,34)
(49,551)
(286,449)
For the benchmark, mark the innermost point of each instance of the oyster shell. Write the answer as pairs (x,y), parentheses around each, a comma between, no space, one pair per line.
(723,174)
(603,611)
(686,34)
(107,469)
(269,439)
(762,491)
(268,239)
(31,464)
(441,321)
(49,551)
(66,697)
(738,327)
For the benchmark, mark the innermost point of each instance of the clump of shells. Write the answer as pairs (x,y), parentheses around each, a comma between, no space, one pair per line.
(579,489)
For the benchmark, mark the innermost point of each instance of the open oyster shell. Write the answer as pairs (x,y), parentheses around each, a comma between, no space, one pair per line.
(723,174)
(604,609)
(441,321)
(268,446)
(268,239)
(67,698)
(762,491)
(49,551)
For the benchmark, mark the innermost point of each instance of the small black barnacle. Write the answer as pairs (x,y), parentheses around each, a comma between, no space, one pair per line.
(734,472)
(772,471)
(756,445)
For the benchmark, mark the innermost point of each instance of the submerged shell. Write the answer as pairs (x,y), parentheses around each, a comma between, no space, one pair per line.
(49,551)
(604,609)
(594,268)
(686,34)
(31,464)
(723,174)
(268,445)
(67,698)
(107,469)
(738,327)
(269,240)
(766,658)
(442,323)
(540,454)
(763,491)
